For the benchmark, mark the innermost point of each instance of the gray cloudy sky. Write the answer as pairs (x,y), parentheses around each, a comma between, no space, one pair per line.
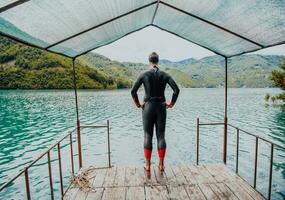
(137,46)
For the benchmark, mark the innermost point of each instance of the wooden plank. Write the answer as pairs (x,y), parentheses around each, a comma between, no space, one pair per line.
(208,192)
(135,176)
(181,180)
(215,181)
(229,175)
(135,193)
(177,192)
(223,174)
(188,175)
(95,195)
(160,176)
(114,193)
(110,177)
(71,193)
(218,174)
(156,192)
(223,191)
(194,192)
(238,191)
(206,174)
(81,195)
(170,176)
(120,177)
(129,176)
(246,186)
(250,190)
(150,179)
(239,181)
(200,175)
(140,176)
(99,178)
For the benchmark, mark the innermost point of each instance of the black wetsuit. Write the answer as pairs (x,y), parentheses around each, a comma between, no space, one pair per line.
(154,109)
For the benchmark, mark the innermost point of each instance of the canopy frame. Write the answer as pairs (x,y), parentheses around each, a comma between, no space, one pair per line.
(157,2)
(101,24)
(12,5)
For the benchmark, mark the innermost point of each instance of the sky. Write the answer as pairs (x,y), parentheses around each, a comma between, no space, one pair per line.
(137,46)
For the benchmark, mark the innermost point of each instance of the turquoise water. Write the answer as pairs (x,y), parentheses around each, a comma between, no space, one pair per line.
(30,121)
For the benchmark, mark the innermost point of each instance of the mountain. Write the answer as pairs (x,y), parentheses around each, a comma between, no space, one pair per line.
(181,62)
(250,70)
(123,73)
(23,67)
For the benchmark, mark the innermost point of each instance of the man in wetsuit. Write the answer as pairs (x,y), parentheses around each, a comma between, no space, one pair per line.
(154,107)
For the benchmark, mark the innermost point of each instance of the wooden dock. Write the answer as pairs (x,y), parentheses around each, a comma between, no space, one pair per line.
(205,181)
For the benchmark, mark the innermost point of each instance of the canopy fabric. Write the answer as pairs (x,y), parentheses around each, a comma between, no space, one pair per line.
(75,27)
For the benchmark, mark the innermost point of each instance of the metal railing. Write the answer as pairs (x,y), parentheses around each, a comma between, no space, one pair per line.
(257,138)
(47,153)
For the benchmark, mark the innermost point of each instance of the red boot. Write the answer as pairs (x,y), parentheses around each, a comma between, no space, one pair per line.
(161,154)
(147,154)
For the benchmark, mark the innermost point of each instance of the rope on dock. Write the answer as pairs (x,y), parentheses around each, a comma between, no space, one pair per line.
(82,180)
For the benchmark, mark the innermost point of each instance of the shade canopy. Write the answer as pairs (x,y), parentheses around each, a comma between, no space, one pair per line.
(75,27)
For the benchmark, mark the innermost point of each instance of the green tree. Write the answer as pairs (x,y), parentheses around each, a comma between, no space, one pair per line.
(278,77)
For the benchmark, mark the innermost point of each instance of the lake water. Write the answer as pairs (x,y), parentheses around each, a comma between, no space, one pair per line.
(31,121)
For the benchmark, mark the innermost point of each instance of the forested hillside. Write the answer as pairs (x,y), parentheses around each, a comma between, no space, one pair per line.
(23,67)
(244,71)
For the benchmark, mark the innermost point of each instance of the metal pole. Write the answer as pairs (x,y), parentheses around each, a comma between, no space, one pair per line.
(226,112)
(270,171)
(237,150)
(71,153)
(197,147)
(109,149)
(60,169)
(77,114)
(27,184)
(255,162)
(50,176)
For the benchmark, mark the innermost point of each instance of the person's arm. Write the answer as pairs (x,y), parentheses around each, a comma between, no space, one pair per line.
(175,89)
(134,90)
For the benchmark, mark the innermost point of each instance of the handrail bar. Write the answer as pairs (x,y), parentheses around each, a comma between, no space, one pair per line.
(34,161)
(93,126)
(25,169)
(259,137)
(233,126)
(272,145)
(209,124)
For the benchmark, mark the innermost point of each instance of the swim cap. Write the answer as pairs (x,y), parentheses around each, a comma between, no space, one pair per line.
(153,57)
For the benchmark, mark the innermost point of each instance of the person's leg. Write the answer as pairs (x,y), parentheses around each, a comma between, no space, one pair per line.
(148,125)
(160,134)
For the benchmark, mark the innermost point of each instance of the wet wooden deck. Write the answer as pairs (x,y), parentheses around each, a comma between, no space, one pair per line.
(206,181)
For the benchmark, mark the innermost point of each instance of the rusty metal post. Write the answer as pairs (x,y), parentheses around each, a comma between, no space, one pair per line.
(27,184)
(60,169)
(71,153)
(237,150)
(255,162)
(270,171)
(197,147)
(77,115)
(50,176)
(226,112)
(109,149)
